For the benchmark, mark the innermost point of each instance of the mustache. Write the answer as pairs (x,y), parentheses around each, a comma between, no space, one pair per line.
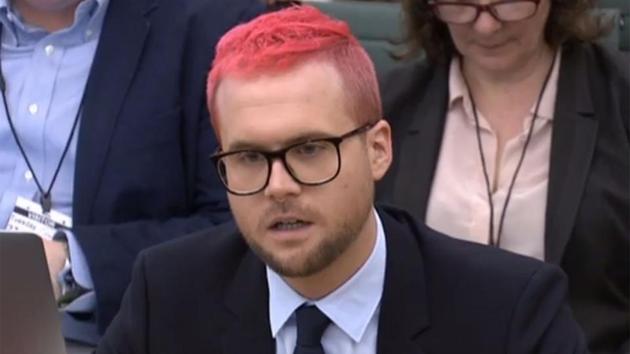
(287,207)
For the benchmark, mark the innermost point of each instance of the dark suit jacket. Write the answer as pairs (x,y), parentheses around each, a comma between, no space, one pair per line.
(143,173)
(587,229)
(208,293)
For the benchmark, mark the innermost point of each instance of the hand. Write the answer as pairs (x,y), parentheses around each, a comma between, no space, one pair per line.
(56,255)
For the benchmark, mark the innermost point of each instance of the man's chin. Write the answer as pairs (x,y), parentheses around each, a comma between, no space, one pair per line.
(293,267)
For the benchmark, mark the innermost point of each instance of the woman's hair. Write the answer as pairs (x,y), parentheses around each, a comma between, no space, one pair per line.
(569,20)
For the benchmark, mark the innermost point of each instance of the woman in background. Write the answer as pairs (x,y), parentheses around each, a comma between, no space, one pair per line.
(514,132)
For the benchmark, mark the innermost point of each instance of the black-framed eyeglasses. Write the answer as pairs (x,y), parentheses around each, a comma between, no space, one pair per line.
(312,162)
(460,13)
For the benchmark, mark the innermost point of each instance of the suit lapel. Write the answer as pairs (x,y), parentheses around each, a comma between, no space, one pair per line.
(572,147)
(420,146)
(115,62)
(404,310)
(247,300)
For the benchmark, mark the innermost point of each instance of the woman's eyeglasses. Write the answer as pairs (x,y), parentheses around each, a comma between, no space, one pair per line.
(460,13)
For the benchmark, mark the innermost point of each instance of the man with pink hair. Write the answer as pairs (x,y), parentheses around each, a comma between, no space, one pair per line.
(310,266)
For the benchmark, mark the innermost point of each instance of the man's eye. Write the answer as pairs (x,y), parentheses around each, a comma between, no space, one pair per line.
(311,149)
(250,157)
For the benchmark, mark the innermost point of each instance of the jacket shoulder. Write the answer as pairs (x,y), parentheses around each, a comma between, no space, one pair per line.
(613,63)
(454,260)
(192,5)
(608,72)
(600,62)
(402,81)
(213,253)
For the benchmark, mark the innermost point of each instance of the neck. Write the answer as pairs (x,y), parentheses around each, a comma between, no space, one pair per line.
(495,82)
(50,19)
(326,281)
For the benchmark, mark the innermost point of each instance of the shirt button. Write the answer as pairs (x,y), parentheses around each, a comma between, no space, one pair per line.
(33,108)
(49,49)
(28,175)
(89,33)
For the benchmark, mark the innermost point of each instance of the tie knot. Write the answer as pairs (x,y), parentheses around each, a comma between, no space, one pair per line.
(311,324)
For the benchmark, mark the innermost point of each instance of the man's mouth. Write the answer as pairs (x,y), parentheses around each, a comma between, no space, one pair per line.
(289,224)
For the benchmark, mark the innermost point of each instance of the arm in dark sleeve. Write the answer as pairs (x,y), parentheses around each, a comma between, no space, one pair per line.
(111,251)
(128,332)
(625,348)
(542,322)
(110,248)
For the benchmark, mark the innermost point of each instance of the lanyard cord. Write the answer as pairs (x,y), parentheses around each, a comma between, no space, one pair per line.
(491,240)
(45,195)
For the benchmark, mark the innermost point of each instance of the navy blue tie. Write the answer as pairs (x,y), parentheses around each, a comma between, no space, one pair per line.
(311,324)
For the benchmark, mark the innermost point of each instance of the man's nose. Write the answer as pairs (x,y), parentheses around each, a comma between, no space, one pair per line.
(281,183)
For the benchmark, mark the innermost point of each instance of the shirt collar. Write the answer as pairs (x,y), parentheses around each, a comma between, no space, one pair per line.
(350,307)
(5,3)
(88,12)
(458,91)
(548,101)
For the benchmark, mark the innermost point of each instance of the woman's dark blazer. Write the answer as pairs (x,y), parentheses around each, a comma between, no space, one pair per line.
(587,229)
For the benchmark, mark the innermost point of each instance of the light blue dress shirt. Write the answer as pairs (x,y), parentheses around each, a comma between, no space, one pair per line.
(45,75)
(353,308)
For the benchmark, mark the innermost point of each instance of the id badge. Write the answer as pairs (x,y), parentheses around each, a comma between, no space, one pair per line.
(28,216)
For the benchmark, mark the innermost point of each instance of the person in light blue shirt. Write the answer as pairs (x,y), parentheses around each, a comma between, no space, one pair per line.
(104,123)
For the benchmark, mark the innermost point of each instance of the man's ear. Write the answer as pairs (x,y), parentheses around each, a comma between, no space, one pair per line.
(379,145)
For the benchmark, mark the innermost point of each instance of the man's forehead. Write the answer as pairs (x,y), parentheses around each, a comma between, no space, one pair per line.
(279,109)
(244,142)
(309,79)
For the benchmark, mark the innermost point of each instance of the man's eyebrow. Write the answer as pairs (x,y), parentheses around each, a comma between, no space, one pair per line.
(302,137)
(244,145)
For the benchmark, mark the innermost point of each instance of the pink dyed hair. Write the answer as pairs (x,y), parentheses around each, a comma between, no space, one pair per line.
(280,41)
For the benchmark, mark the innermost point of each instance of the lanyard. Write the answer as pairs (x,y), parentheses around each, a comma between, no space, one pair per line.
(491,239)
(45,194)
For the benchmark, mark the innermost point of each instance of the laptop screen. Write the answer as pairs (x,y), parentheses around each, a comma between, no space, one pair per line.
(29,321)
